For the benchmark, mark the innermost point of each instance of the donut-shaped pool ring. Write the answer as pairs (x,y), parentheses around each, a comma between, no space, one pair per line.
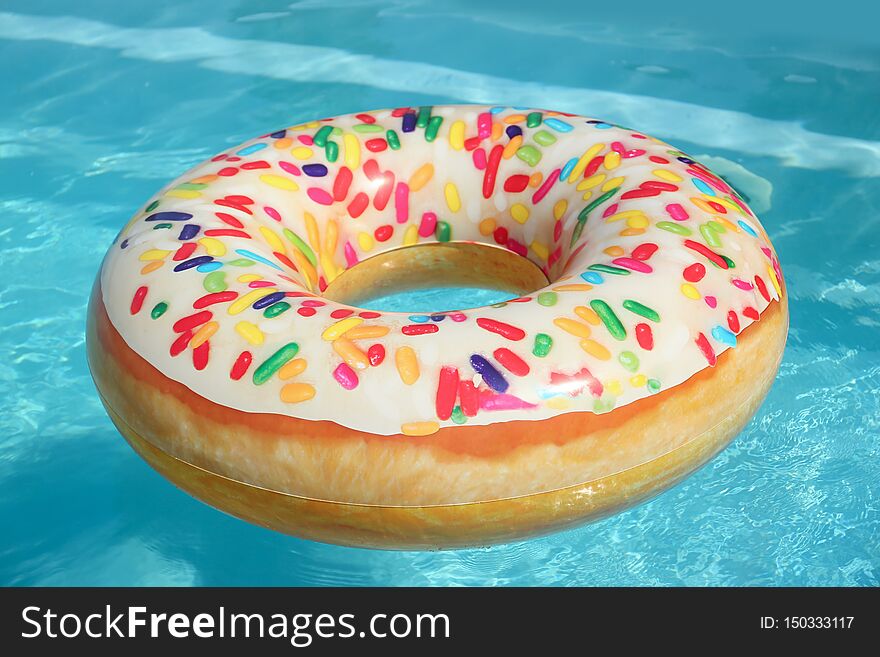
(228,347)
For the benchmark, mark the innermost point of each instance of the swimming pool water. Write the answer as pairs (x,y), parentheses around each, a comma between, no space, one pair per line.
(104,102)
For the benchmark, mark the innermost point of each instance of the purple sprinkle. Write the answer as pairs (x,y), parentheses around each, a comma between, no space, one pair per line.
(513,131)
(438,318)
(193,262)
(268,300)
(188,232)
(169,216)
(409,122)
(491,376)
(278,135)
(315,170)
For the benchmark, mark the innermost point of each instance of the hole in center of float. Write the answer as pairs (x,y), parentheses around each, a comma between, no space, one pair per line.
(436,277)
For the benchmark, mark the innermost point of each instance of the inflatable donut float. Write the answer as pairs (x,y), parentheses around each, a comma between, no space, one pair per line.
(228,347)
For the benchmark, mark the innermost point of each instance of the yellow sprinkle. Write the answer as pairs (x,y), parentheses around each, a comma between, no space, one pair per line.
(729,205)
(421,177)
(701,203)
(540,250)
(272,239)
(666,174)
(639,221)
(351,354)
(352,151)
(614,251)
(250,332)
(213,247)
(514,118)
(205,180)
(421,428)
(628,232)
(727,224)
(614,183)
(411,235)
(592,181)
(511,148)
(249,278)
(153,266)
(614,388)
(456,135)
(595,349)
(301,152)
(366,332)
(203,334)
(690,291)
(573,327)
(366,241)
(312,231)
(487,226)
(245,301)
(612,160)
(583,161)
(559,209)
(305,268)
(294,393)
(573,287)
(329,267)
(774,280)
(336,330)
(183,193)
(587,314)
(638,380)
(453,202)
(279,182)
(626,214)
(558,403)
(519,213)
(153,254)
(587,196)
(292,368)
(407,365)
(283,143)
(331,237)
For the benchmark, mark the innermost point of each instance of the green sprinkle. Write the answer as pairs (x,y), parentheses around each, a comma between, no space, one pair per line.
(443,231)
(274,363)
(610,269)
(152,206)
(547,298)
(612,323)
(500,304)
(458,415)
(709,235)
(653,385)
(367,127)
(337,131)
(332,150)
(603,406)
(322,135)
(533,120)
(641,309)
(717,227)
(193,187)
(393,140)
(276,309)
(544,138)
(543,344)
(215,281)
(158,226)
(241,262)
(433,127)
(629,361)
(730,263)
(529,154)
(583,214)
(304,248)
(158,310)
(678,229)
(424,116)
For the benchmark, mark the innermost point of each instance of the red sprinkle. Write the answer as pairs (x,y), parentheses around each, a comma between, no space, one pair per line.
(644,336)
(191,321)
(762,288)
(256,164)
(470,398)
(694,273)
(706,349)
(516,183)
(306,311)
(705,251)
(200,355)
(226,232)
(644,251)
(341,313)
(184,252)
(504,330)
(342,183)
(358,205)
(751,313)
(376,354)
(419,329)
(447,390)
(137,301)
(733,321)
(214,297)
(383,194)
(376,145)
(511,362)
(229,219)
(383,233)
(180,343)
(593,165)
(369,314)
(492,170)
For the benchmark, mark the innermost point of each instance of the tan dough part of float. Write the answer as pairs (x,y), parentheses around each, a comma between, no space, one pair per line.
(432,478)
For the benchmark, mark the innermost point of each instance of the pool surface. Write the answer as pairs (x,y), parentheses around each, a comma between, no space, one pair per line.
(104,102)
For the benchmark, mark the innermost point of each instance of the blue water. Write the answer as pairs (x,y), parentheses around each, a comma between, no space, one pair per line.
(105,101)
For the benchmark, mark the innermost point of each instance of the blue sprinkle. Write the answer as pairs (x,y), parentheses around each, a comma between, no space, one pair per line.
(278,135)
(268,300)
(254,256)
(193,262)
(418,319)
(747,228)
(557,125)
(409,122)
(124,244)
(496,110)
(592,277)
(491,376)
(513,131)
(438,318)
(315,170)
(169,216)
(209,266)
(188,232)
(602,126)
(253,148)
(724,336)
(567,169)
(703,187)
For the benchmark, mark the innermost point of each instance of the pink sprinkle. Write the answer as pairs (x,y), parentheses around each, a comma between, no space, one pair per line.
(636,152)
(401,202)
(490,401)
(313,303)
(319,195)
(635,265)
(258,284)
(611,209)
(711,301)
(617,147)
(677,212)
(480,159)
(428,224)
(305,139)
(741,284)
(345,376)
(272,212)
(484,125)
(350,256)
(545,188)
(457,317)
(289,167)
